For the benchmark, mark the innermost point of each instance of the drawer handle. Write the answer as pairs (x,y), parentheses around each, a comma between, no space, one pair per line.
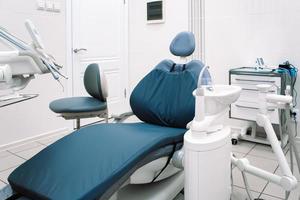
(249,80)
(253,108)
(256,90)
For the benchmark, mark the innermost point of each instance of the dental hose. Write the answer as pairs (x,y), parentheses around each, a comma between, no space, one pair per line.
(247,186)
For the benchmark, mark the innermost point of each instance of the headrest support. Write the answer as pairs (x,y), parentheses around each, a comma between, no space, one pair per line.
(183,44)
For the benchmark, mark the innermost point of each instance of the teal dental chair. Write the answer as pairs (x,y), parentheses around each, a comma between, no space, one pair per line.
(122,161)
(85,107)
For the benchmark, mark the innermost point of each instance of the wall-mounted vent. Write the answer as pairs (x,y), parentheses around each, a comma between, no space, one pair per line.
(155,11)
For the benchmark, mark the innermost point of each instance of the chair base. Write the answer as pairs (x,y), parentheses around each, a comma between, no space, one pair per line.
(166,189)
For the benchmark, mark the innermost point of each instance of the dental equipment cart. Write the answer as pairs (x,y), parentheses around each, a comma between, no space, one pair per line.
(247,106)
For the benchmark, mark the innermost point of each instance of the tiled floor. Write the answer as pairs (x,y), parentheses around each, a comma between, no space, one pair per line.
(259,155)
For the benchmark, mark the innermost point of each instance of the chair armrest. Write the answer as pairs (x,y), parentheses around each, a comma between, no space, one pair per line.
(118,118)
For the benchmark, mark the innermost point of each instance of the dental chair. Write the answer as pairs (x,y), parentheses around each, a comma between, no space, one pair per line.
(85,107)
(121,160)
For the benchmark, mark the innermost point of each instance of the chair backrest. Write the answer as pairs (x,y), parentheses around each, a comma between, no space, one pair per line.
(164,97)
(95,82)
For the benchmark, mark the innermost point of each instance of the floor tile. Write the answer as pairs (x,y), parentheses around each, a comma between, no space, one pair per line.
(264,151)
(30,152)
(4,154)
(24,147)
(275,190)
(50,140)
(9,162)
(256,184)
(243,147)
(241,194)
(4,175)
(2,185)
(288,157)
(267,197)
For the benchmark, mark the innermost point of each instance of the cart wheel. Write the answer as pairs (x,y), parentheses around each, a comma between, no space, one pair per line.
(234,141)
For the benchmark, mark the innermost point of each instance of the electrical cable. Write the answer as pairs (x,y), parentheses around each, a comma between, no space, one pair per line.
(247,185)
(166,165)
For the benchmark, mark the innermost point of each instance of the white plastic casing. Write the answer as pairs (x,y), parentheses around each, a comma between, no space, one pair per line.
(207,165)
(5,73)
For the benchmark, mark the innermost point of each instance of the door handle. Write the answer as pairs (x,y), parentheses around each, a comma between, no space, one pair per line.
(78,50)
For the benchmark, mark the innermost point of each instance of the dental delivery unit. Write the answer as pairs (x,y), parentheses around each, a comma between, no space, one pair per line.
(22,61)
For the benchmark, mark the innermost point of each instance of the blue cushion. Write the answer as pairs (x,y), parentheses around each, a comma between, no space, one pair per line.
(164,97)
(183,44)
(92,82)
(85,164)
(77,105)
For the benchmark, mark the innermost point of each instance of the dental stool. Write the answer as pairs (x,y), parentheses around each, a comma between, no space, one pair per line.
(85,107)
(122,161)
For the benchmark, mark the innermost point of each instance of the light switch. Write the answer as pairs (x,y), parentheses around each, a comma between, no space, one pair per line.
(49,5)
(41,4)
(56,6)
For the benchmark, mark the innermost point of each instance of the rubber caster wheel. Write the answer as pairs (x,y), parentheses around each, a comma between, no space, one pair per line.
(234,141)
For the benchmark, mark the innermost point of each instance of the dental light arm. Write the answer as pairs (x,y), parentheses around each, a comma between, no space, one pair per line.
(18,66)
(287,180)
(34,34)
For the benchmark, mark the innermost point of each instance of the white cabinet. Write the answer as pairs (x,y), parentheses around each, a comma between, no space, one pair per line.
(246,107)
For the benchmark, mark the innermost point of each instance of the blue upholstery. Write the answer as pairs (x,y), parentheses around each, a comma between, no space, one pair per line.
(77,105)
(92,82)
(164,97)
(85,164)
(183,44)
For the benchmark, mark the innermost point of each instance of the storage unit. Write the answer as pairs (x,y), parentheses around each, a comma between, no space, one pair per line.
(247,107)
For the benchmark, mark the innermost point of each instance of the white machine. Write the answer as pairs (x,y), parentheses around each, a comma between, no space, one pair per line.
(19,65)
(207,145)
(287,181)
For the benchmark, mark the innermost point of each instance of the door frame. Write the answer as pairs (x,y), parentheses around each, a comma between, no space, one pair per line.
(197,26)
(70,41)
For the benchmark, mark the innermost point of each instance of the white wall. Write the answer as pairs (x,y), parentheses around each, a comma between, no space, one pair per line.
(149,43)
(237,32)
(33,117)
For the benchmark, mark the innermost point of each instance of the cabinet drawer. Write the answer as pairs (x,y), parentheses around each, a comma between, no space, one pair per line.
(249,110)
(255,80)
(250,92)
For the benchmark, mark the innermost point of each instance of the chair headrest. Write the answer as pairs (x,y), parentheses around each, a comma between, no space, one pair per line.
(95,82)
(183,44)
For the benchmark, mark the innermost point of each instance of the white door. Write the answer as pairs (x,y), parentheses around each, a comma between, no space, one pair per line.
(100,29)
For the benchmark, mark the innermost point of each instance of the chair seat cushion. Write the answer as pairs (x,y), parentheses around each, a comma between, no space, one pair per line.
(77,105)
(88,162)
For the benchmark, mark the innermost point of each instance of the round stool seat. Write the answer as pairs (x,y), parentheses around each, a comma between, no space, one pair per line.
(77,105)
